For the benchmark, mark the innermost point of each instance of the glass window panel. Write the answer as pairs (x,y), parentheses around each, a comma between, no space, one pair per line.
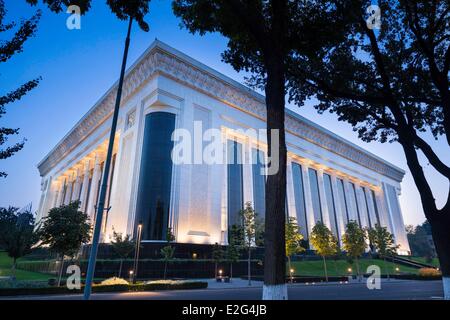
(343,198)
(91,172)
(299,195)
(355,201)
(366,201)
(330,204)
(374,199)
(315,196)
(235,183)
(155,181)
(259,182)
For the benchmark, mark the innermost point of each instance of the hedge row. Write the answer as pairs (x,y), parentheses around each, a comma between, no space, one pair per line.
(185,285)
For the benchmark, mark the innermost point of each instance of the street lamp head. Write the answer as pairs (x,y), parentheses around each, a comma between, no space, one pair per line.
(131,271)
(292,270)
(349,269)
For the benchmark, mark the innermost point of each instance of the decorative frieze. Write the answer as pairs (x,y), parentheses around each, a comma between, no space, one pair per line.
(163,60)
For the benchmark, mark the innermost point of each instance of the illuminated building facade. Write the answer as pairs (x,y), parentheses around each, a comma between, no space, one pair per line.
(328,178)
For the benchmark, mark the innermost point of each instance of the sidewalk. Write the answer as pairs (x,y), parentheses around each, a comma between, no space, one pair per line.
(241,283)
(234,284)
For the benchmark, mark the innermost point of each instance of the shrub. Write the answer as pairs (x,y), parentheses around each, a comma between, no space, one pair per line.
(429,272)
(8,284)
(114,281)
(169,285)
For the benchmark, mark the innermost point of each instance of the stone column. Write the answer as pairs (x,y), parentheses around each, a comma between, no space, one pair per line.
(351,205)
(308,199)
(339,206)
(96,176)
(323,200)
(224,195)
(385,208)
(361,203)
(77,185)
(85,185)
(45,194)
(69,189)
(247,178)
(292,210)
(59,198)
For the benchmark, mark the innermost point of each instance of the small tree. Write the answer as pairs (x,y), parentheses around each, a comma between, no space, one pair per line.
(123,246)
(354,242)
(217,256)
(168,251)
(233,250)
(325,243)
(250,226)
(293,240)
(383,242)
(64,230)
(17,234)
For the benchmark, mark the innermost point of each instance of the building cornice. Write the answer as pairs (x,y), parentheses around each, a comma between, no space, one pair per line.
(164,60)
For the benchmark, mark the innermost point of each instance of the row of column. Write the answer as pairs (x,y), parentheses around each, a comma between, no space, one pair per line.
(82,183)
(358,205)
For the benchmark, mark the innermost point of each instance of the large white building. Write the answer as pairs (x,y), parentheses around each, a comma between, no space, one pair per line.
(328,178)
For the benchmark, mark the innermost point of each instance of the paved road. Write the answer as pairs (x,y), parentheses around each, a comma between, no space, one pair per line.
(390,290)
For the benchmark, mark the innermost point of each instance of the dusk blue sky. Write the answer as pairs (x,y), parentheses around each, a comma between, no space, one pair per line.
(78,67)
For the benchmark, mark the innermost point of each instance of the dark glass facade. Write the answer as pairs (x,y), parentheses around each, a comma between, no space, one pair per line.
(259,182)
(315,195)
(299,195)
(375,207)
(343,198)
(330,204)
(366,201)
(355,201)
(88,194)
(235,183)
(155,180)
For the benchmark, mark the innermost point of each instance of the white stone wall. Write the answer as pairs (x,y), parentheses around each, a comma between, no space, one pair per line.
(199,192)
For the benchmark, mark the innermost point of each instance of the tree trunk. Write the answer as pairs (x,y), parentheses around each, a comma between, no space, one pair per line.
(386,268)
(325,268)
(290,268)
(357,270)
(275,255)
(165,269)
(441,237)
(61,267)
(439,219)
(120,267)
(336,268)
(13,270)
(249,267)
(231,272)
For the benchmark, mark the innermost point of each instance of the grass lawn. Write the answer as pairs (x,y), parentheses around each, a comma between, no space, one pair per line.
(434,262)
(340,267)
(5,270)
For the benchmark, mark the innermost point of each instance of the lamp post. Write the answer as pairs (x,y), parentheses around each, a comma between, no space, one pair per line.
(131,275)
(136,251)
(291,271)
(104,185)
